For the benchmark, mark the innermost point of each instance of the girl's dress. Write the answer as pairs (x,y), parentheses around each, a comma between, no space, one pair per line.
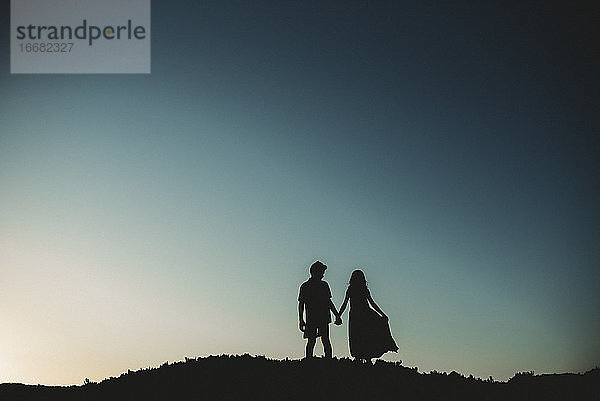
(370,335)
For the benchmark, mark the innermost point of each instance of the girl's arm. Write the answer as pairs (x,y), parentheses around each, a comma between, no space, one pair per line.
(343,307)
(374,305)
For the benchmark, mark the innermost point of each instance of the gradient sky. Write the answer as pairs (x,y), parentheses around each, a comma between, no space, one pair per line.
(449,150)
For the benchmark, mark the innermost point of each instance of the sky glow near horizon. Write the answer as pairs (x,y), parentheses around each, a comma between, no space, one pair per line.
(450,152)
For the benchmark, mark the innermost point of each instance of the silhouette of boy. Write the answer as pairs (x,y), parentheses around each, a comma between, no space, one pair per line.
(316,296)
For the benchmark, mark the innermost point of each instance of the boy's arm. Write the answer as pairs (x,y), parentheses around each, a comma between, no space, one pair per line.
(301,323)
(338,317)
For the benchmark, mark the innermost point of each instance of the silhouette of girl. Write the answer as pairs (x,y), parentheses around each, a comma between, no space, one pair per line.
(369,331)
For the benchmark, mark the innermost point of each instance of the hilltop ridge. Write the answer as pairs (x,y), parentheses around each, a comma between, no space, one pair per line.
(258,378)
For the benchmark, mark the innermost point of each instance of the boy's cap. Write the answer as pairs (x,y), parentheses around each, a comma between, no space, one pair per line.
(317,266)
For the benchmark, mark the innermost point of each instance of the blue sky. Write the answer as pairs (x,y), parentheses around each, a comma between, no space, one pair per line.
(450,151)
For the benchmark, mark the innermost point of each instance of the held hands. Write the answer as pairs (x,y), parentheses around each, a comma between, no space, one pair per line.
(302,324)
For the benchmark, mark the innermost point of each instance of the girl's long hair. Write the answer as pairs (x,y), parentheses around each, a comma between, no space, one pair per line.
(358,283)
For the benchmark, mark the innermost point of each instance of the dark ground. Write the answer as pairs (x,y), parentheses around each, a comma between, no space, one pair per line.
(257,378)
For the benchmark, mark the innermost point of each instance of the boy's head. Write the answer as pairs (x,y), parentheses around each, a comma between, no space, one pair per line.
(317,269)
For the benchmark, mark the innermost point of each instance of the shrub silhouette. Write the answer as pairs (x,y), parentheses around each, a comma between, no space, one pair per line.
(258,378)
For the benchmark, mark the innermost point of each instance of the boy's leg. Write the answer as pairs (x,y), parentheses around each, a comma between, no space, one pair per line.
(326,342)
(310,347)
(310,332)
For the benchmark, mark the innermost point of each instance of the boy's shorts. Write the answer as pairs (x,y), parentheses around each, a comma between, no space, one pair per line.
(316,330)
